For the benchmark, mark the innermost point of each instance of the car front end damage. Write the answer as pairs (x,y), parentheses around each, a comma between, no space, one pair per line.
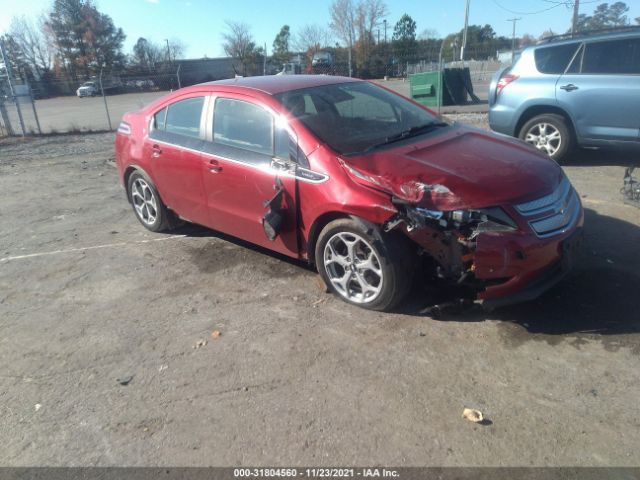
(499,255)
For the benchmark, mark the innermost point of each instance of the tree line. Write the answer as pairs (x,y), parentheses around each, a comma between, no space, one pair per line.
(75,41)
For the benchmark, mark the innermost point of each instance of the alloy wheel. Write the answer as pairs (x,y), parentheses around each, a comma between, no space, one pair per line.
(353,267)
(544,136)
(144,201)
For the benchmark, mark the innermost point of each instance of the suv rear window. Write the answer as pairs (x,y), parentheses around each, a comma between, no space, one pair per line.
(613,57)
(555,59)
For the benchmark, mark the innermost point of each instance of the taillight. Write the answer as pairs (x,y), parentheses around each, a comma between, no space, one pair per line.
(504,81)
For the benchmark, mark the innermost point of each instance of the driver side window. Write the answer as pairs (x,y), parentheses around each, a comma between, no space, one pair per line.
(247,132)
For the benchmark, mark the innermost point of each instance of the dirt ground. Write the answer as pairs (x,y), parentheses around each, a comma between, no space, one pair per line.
(297,377)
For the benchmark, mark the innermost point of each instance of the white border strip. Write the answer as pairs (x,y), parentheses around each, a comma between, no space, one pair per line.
(82,249)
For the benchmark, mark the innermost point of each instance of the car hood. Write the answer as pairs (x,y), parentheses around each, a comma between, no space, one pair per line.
(460,167)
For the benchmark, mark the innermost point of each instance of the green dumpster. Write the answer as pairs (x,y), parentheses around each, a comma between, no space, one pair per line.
(426,88)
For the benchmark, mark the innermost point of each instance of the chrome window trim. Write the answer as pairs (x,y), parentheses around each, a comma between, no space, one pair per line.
(267,169)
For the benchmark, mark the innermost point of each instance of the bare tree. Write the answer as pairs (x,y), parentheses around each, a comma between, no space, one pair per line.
(147,55)
(429,34)
(34,44)
(369,14)
(343,23)
(238,43)
(311,39)
(355,23)
(177,48)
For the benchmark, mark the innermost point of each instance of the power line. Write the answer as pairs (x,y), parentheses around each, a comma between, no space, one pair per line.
(527,13)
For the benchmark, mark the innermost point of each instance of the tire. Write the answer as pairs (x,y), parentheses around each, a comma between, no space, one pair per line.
(363,265)
(539,130)
(147,205)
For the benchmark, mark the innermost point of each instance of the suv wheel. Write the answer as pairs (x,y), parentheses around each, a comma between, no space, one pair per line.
(363,265)
(550,134)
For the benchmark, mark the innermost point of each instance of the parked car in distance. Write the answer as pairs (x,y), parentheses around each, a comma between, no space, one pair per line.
(368,186)
(88,89)
(580,92)
(321,59)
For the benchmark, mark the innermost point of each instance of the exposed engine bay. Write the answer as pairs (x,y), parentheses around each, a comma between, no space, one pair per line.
(449,238)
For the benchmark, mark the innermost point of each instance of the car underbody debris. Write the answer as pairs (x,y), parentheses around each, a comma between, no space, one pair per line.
(631,188)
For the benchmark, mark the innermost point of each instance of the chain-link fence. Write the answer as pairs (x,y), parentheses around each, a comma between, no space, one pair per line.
(59,105)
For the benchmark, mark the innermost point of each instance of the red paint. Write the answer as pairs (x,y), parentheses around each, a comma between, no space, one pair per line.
(479,169)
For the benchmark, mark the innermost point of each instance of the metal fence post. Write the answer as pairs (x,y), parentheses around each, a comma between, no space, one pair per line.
(106,108)
(6,120)
(35,112)
(7,66)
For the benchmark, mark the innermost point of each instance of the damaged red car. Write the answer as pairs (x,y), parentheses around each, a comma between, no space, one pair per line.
(365,184)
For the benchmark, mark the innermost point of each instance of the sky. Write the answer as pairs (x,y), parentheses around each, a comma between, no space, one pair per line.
(199,24)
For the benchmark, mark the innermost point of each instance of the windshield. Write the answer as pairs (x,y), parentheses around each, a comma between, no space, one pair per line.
(357,117)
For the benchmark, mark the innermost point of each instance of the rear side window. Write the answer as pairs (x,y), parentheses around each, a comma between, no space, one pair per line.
(183,117)
(613,57)
(555,60)
(243,125)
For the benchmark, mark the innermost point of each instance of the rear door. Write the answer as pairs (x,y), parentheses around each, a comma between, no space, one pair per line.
(175,139)
(601,90)
(246,156)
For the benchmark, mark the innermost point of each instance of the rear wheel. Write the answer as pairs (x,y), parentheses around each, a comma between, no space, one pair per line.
(363,265)
(147,205)
(550,134)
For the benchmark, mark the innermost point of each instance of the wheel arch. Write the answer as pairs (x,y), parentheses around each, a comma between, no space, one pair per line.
(317,226)
(536,110)
(127,174)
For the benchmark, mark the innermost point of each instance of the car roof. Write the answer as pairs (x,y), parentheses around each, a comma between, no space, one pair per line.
(588,38)
(274,84)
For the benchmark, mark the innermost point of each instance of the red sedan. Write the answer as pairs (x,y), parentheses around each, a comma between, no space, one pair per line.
(364,183)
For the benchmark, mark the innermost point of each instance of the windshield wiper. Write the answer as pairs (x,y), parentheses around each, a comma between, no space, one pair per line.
(411,132)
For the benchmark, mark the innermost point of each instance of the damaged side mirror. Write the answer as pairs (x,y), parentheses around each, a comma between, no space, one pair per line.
(274,218)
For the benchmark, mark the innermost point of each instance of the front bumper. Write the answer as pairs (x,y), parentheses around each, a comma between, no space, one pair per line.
(544,280)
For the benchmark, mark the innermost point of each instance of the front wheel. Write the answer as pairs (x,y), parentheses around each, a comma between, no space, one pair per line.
(550,134)
(363,265)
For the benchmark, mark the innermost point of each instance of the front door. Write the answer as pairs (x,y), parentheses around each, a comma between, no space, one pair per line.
(245,163)
(601,90)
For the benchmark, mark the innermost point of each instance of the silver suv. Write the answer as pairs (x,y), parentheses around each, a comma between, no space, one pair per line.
(565,93)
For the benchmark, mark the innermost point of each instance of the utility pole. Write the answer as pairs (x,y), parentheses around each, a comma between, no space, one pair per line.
(464,35)
(574,23)
(264,60)
(513,38)
(168,50)
(385,30)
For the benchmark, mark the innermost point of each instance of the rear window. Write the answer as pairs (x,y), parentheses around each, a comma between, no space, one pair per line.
(613,57)
(555,59)
(183,117)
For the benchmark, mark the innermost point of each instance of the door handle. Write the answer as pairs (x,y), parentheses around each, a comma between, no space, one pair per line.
(569,88)
(214,166)
(156,151)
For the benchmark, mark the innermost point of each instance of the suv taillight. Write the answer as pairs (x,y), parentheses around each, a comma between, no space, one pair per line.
(504,81)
